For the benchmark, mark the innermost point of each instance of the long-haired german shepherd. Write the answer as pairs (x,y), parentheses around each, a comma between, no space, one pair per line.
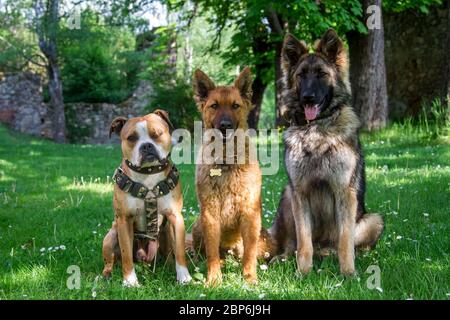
(323,204)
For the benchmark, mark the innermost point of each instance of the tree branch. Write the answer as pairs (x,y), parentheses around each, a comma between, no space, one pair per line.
(27,58)
(274,21)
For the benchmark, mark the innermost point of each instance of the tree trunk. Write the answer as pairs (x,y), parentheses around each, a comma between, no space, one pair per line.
(47,29)
(259,87)
(448,55)
(368,73)
(277,24)
(279,120)
(57,103)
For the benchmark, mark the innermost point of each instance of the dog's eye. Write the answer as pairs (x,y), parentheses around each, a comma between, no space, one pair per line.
(132,138)
(322,74)
(235,106)
(214,106)
(155,134)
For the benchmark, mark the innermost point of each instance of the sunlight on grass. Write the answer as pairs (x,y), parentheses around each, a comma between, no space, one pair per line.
(29,275)
(98,188)
(63,195)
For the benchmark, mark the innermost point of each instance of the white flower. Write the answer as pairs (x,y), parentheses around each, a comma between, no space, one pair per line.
(62,247)
(428,259)
(262,295)
(263,267)
(94,294)
(50,249)
(202,295)
(426,214)
(399,237)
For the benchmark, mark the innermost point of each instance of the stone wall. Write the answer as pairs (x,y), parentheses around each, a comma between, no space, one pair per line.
(89,122)
(22,109)
(21,104)
(417,58)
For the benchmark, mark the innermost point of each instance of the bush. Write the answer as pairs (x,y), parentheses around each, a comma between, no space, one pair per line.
(98,62)
(433,122)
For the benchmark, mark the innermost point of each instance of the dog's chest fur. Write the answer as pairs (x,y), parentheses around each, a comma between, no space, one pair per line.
(314,156)
(237,187)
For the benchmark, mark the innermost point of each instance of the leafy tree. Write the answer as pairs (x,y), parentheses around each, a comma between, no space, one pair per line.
(42,18)
(99,63)
(260,27)
(171,91)
(367,67)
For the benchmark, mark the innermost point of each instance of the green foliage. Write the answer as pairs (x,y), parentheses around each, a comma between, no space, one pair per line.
(420,5)
(433,122)
(194,52)
(250,22)
(171,91)
(76,132)
(98,61)
(17,40)
(267,115)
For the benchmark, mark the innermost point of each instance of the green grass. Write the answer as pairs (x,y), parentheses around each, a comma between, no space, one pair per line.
(53,195)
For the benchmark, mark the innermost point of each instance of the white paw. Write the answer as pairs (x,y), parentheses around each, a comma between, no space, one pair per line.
(183,275)
(131,280)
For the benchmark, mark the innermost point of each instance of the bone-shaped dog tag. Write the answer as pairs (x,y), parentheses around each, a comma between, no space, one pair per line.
(215,172)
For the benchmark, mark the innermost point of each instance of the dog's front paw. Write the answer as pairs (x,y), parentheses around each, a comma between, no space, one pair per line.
(131,280)
(214,279)
(304,263)
(251,279)
(347,270)
(183,276)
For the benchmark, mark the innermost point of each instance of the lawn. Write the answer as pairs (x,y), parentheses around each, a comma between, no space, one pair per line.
(56,206)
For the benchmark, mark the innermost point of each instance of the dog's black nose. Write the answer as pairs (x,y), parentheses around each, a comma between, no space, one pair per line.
(226,124)
(148,148)
(309,96)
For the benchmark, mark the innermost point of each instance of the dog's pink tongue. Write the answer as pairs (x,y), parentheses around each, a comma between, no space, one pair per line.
(311,111)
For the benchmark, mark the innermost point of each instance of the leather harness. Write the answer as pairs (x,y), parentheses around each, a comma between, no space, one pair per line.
(149,229)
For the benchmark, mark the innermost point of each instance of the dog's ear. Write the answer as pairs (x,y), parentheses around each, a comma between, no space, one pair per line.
(332,47)
(202,85)
(244,83)
(165,116)
(292,50)
(117,125)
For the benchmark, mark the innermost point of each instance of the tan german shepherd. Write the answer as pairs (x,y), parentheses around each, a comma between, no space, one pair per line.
(229,194)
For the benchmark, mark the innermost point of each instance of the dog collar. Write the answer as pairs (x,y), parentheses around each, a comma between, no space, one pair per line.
(163,164)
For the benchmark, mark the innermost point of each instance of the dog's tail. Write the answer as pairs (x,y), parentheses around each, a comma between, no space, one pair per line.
(368,231)
(267,245)
(189,242)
